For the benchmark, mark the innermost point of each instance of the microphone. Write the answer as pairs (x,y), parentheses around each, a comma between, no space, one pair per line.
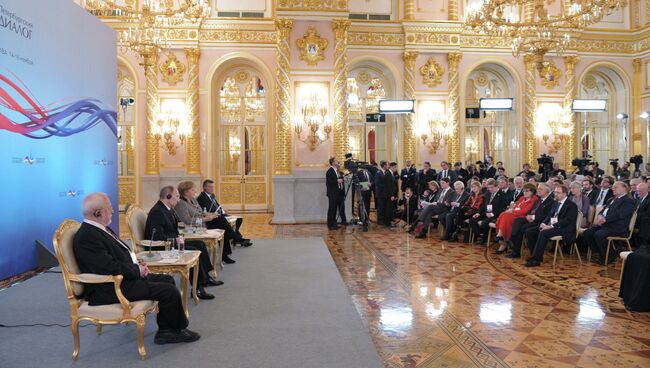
(150,255)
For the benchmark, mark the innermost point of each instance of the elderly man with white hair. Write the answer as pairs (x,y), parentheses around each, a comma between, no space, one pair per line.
(99,250)
(643,214)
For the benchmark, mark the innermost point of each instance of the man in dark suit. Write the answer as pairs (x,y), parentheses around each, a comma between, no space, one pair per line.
(489,171)
(208,201)
(424,177)
(495,203)
(642,215)
(461,173)
(333,184)
(441,205)
(381,191)
(391,194)
(445,172)
(518,189)
(526,171)
(162,224)
(596,171)
(408,175)
(561,221)
(605,193)
(448,218)
(99,250)
(557,171)
(613,220)
(589,190)
(532,220)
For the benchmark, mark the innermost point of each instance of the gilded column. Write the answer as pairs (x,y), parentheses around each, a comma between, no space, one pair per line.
(130,154)
(152,152)
(409,9)
(410,140)
(453,106)
(570,90)
(193,154)
(638,125)
(341,134)
(530,105)
(282,150)
(453,10)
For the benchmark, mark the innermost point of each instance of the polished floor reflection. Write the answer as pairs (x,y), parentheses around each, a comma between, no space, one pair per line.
(429,303)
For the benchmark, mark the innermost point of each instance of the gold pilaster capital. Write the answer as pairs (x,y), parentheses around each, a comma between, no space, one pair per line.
(636,63)
(193,54)
(453,58)
(409,58)
(571,61)
(150,58)
(284,26)
(341,26)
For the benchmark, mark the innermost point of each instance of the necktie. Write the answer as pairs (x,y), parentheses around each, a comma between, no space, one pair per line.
(600,197)
(444,173)
(491,198)
(112,234)
(557,209)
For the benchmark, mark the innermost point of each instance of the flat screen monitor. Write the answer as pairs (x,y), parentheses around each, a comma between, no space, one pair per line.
(495,104)
(396,106)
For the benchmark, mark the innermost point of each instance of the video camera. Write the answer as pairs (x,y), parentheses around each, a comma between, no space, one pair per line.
(353,165)
(581,163)
(545,160)
(481,165)
(637,161)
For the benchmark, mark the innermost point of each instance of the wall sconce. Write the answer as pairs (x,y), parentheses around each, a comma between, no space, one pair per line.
(170,121)
(314,117)
(552,121)
(438,128)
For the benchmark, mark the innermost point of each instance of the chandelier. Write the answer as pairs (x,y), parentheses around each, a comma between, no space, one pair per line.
(147,33)
(440,128)
(170,122)
(313,117)
(552,121)
(537,32)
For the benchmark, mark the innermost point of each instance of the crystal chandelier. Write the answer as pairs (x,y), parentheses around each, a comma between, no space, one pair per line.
(537,32)
(552,121)
(150,21)
(440,128)
(315,119)
(170,122)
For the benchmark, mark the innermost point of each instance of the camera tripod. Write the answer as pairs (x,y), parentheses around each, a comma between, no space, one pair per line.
(362,219)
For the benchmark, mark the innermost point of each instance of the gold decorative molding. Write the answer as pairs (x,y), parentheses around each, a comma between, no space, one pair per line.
(570,93)
(550,75)
(313,5)
(409,9)
(638,125)
(238,36)
(126,190)
(410,140)
(341,128)
(453,86)
(193,155)
(282,148)
(152,153)
(530,105)
(452,14)
(311,46)
(172,69)
(372,38)
(432,72)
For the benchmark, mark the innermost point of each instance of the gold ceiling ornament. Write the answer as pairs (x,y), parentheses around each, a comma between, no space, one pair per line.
(242,76)
(528,25)
(302,5)
(590,81)
(172,69)
(363,77)
(482,79)
(149,23)
(550,75)
(432,73)
(311,46)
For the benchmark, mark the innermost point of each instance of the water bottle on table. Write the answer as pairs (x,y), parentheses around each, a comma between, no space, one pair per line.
(181,244)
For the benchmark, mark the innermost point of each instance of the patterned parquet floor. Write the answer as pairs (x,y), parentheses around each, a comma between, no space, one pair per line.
(429,303)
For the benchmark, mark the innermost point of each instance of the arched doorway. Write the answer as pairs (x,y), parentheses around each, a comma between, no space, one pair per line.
(600,134)
(242,115)
(494,133)
(372,137)
(126,135)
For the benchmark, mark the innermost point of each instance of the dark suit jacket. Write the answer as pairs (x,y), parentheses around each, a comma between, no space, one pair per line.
(390,184)
(593,195)
(381,191)
(489,173)
(424,179)
(361,174)
(566,220)
(559,172)
(451,174)
(208,202)
(461,201)
(543,210)
(642,211)
(619,213)
(408,176)
(98,252)
(499,204)
(462,175)
(608,196)
(514,197)
(161,219)
(331,183)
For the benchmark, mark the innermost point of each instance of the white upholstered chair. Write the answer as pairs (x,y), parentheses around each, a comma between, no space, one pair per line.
(122,312)
(136,220)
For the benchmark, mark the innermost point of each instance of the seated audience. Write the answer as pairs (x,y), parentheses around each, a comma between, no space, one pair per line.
(495,202)
(461,174)
(424,177)
(471,206)
(557,171)
(561,221)
(506,219)
(526,171)
(438,207)
(532,220)
(98,250)
(410,203)
(643,215)
(429,196)
(613,220)
(518,189)
(448,218)
(208,200)
(589,190)
(162,224)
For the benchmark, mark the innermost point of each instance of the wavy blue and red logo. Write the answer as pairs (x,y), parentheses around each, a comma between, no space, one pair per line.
(60,119)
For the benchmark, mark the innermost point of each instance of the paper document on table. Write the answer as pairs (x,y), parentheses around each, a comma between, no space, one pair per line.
(149,243)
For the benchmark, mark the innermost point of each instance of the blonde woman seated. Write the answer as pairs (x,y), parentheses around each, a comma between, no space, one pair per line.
(188,211)
(507,218)
(582,201)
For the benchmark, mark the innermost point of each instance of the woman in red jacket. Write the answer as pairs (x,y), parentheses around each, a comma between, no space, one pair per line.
(507,218)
